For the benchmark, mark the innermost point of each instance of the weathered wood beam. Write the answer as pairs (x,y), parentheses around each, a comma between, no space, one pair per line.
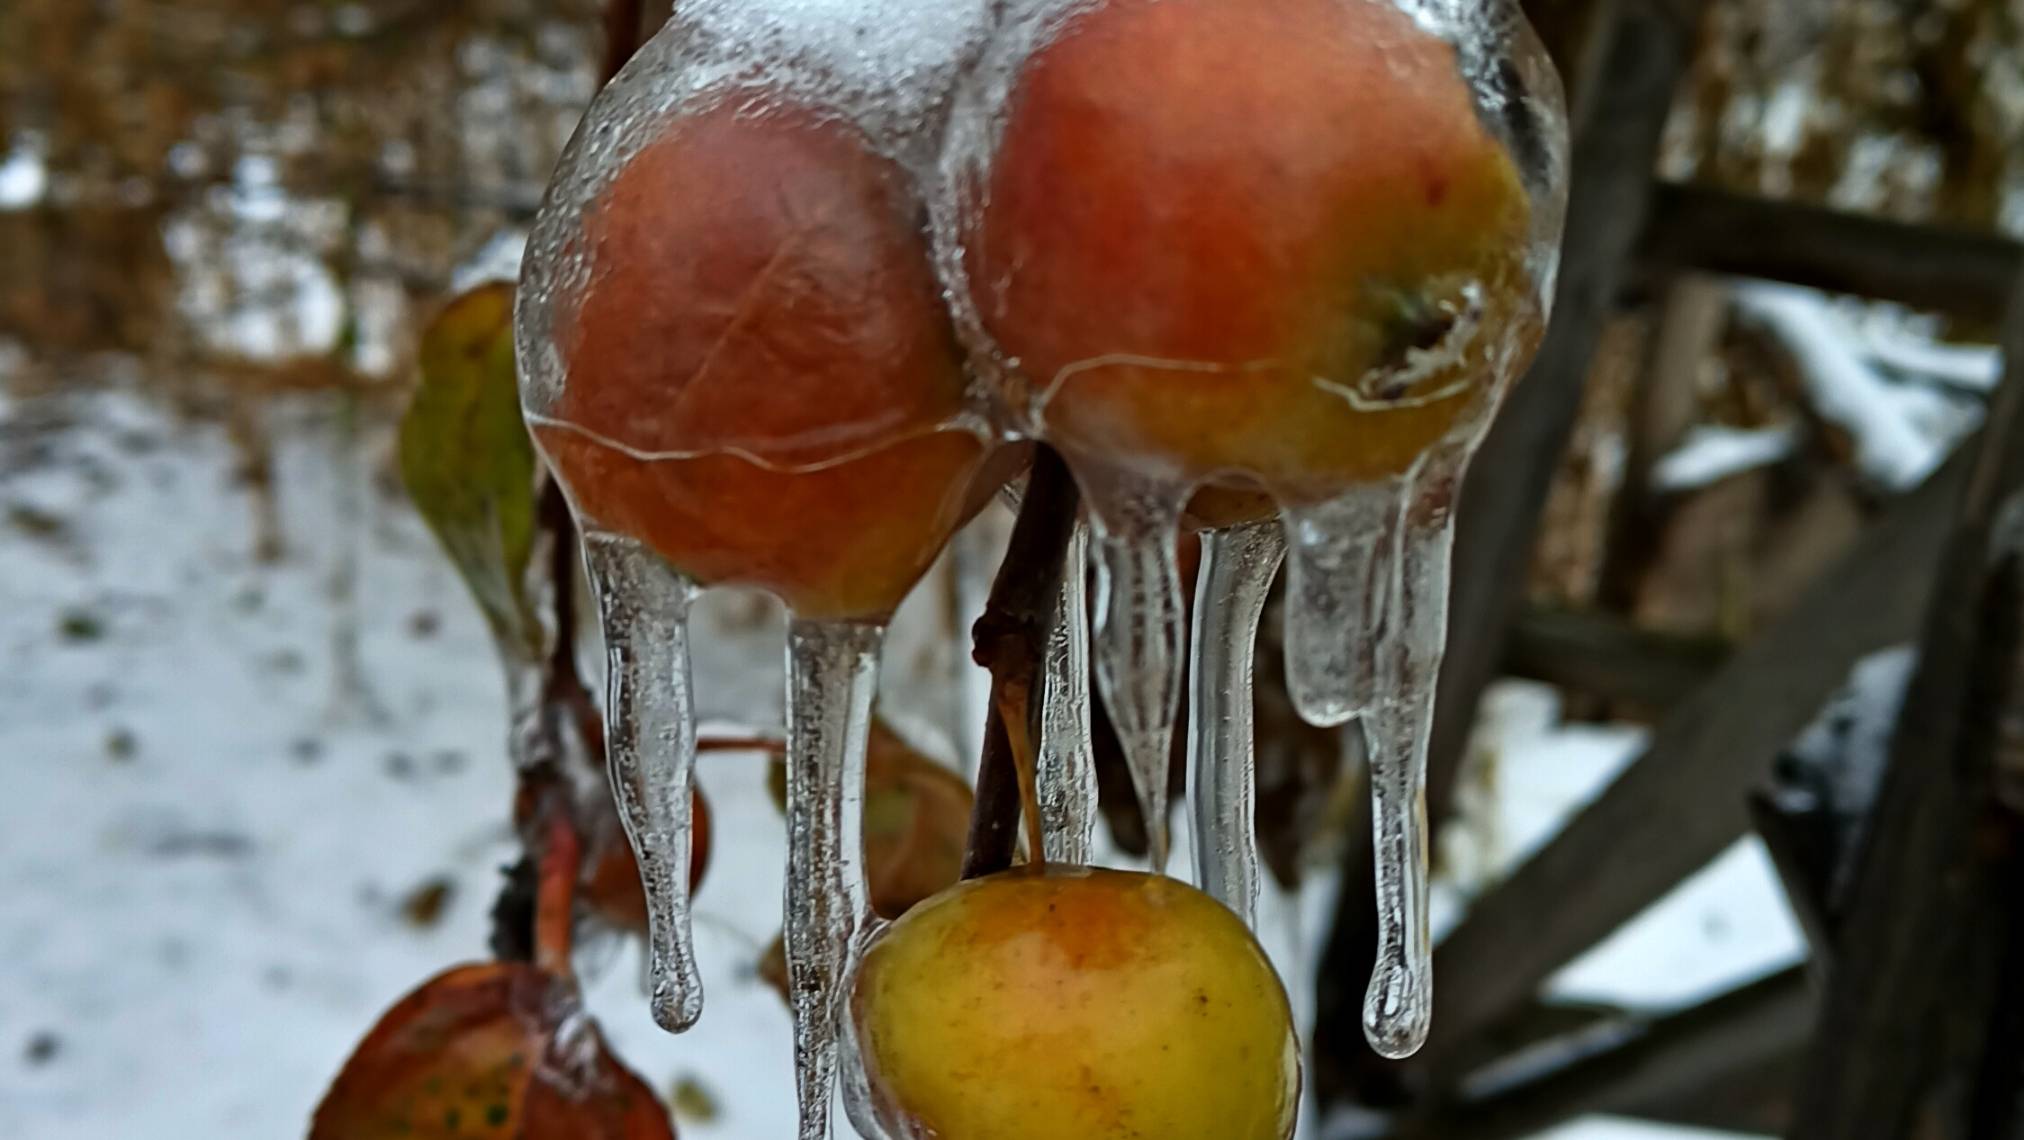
(1602,655)
(1919,1034)
(1649,47)
(1754,1098)
(1684,801)
(1545,1023)
(1962,272)
(1661,1062)
(1804,850)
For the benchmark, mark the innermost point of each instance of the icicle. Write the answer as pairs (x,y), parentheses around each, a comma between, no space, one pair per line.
(1238,566)
(650,749)
(1066,774)
(1339,556)
(832,675)
(1138,644)
(1398,1007)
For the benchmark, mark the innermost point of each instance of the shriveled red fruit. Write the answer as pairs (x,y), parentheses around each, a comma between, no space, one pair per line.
(498,1051)
(1100,1005)
(916,821)
(1248,238)
(611,887)
(763,384)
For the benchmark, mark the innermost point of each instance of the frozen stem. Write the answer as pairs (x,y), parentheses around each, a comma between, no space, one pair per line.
(1011,641)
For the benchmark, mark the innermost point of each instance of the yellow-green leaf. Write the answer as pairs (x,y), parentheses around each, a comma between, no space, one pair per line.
(468,462)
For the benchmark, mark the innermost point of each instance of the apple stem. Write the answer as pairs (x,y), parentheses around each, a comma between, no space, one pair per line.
(1015,708)
(1011,641)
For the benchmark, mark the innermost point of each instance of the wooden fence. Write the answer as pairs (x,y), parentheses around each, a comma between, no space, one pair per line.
(1908,1020)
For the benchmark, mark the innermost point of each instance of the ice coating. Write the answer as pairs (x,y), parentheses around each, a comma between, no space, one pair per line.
(860,1102)
(1138,643)
(832,676)
(1342,557)
(1356,267)
(881,71)
(1065,772)
(1397,730)
(1516,97)
(1238,566)
(650,749)
(736,357)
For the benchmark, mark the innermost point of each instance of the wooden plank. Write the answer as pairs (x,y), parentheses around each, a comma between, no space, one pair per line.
(1753,1098)
(1601,655)
(1920,1031)
(1509,480)
(1649,48)
(1962,272)
(1661,1062)
(1684,801)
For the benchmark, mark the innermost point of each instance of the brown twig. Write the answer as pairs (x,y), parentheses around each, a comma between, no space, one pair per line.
(1015,710)
(1010,640)
(564,692)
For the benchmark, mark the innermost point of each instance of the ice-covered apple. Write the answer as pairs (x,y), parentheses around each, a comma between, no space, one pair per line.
(761,381)
(1068,1002)
(1269,239)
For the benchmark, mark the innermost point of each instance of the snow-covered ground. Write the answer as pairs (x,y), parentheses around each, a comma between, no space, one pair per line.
(207,839)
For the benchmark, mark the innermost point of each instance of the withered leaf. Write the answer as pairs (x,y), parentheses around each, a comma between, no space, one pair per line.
(469,464)
(502,1051)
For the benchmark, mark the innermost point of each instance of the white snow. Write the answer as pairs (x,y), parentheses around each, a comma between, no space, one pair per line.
(1711,453)
(23,178)
(1724,925)
(1901,432)
(1972,367)
(197,935)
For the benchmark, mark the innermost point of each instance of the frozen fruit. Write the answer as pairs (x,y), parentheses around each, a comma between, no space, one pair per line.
(1264,239)
(761,380)
(1068,1002)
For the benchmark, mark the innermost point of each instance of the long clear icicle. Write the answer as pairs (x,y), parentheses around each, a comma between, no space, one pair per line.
(1138,646)
(1340,557)
(1066,768)
(650,750)
(1238,565)
(832,674)
(1398,1007)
